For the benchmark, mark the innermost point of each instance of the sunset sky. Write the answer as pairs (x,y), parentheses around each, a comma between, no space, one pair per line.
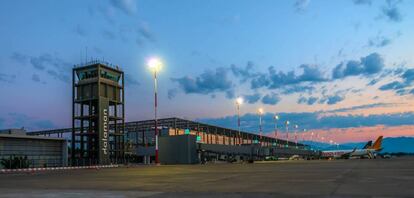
(343,68)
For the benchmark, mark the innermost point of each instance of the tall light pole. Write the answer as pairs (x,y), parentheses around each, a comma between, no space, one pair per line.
(155,66)
(312,137)
(296,135)
(312,140)
(317,137)
(260,111)
(303,135)
(276,118)
(239,101)
(287,133)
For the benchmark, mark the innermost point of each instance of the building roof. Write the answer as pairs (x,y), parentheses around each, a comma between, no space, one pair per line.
(173,122)
(30,137)
(94,63)
(21,131)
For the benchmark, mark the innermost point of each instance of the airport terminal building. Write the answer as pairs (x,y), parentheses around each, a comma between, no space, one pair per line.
(100,135)
(188,142)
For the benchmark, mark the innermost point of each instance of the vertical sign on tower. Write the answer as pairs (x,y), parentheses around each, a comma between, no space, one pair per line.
(104,131)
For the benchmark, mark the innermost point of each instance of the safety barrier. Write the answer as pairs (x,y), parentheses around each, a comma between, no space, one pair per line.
(29,170)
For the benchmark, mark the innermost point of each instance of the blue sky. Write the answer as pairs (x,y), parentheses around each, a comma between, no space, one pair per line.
(329,58)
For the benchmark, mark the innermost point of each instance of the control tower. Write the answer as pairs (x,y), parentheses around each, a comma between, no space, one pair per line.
(98,114)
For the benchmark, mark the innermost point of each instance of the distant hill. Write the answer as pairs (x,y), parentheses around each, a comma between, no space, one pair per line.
(397,144)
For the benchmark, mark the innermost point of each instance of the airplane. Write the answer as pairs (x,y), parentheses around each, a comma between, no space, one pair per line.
(369,143)
(369,151)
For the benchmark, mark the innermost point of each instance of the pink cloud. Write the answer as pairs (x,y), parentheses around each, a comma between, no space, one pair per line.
(360,134)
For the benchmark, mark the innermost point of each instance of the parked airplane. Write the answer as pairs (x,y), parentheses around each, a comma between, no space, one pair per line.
(369,143)
(369,151)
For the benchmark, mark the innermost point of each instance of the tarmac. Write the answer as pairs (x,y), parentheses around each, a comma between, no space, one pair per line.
(317,178)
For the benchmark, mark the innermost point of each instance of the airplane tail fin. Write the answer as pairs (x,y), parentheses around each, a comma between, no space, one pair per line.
(377,144)
(369,144)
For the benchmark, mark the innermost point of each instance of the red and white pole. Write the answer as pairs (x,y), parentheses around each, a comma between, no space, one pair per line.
(155,115)
(260,128)
(276,130)
(238,122)
(287,133)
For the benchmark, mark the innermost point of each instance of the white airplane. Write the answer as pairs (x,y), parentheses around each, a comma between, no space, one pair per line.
(368,151)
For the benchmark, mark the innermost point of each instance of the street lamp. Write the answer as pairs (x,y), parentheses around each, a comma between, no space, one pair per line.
(239,101)
(312,137)
(260,111)
(296,135)
(287,133)
(303,135)
(276,118)
(155,66)
(317,137)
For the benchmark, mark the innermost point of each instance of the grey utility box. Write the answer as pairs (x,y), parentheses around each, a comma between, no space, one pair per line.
(180,149)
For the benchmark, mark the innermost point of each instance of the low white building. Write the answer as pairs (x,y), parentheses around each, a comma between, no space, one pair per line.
(37,151)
